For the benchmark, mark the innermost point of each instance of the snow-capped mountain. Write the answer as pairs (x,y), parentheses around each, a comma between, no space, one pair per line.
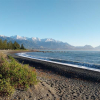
(47,43)
(49,39)
(2,36)
(37,43)
(36,39)
(19,37)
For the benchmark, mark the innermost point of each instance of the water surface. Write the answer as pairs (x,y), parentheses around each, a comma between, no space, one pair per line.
(89,59)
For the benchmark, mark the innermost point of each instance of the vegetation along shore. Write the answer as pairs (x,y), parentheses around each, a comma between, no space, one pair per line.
(20,81)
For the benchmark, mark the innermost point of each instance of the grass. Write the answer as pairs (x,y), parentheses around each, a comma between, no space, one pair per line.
(14,75)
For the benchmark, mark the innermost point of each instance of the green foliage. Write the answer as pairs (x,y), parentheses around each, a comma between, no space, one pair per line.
(1,44)
(22,47)
(5,44)
(5,87)
(15,75)
(9,45)
(16,45)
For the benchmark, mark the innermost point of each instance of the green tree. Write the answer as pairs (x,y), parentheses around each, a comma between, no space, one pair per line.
(11,45)
(16,45)
(8,46)
(5,44)
(1,43)
(22,47)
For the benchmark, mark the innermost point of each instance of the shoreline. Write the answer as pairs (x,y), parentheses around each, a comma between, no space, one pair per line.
(64,70)
(60,63)
(55,86)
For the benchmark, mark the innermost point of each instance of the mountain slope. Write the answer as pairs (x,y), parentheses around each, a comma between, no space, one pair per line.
(36,43)
(47,43)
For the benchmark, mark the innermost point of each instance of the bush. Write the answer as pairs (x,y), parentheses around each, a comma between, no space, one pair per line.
(5,87)
(14,75)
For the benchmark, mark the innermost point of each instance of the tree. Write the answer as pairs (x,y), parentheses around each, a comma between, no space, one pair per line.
(1,43)
(22,47)
(16,45)
(8,47)
(4,44)
(11,45)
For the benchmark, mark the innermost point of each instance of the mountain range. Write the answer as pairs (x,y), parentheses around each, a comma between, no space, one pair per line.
(45,44)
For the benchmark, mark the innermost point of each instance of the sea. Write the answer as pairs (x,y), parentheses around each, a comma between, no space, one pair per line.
(82,59)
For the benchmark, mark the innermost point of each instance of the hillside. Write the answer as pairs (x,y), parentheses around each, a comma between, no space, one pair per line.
(45,44)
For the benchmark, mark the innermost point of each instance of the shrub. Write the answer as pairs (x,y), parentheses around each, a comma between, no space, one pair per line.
(15,75)
(5,87)
(2,56)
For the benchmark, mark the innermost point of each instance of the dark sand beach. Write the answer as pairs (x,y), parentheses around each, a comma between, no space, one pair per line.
(58,83)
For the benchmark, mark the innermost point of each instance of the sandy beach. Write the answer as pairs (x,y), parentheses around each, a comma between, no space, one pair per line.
(57,84)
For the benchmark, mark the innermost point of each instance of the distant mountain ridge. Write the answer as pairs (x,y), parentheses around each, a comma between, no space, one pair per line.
(33,38)
(45,44)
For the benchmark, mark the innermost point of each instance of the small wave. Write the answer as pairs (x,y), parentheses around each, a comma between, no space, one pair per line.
(77,63)
(80,64)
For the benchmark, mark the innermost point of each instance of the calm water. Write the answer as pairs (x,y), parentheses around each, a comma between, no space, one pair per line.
(90,59)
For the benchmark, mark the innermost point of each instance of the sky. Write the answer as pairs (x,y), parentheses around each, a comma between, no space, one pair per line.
(76,22)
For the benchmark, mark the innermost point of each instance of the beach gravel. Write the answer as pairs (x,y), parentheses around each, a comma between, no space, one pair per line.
(53,86)
(57,87)
(73,89)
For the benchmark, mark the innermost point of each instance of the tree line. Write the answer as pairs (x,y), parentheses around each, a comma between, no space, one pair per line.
(9,45)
